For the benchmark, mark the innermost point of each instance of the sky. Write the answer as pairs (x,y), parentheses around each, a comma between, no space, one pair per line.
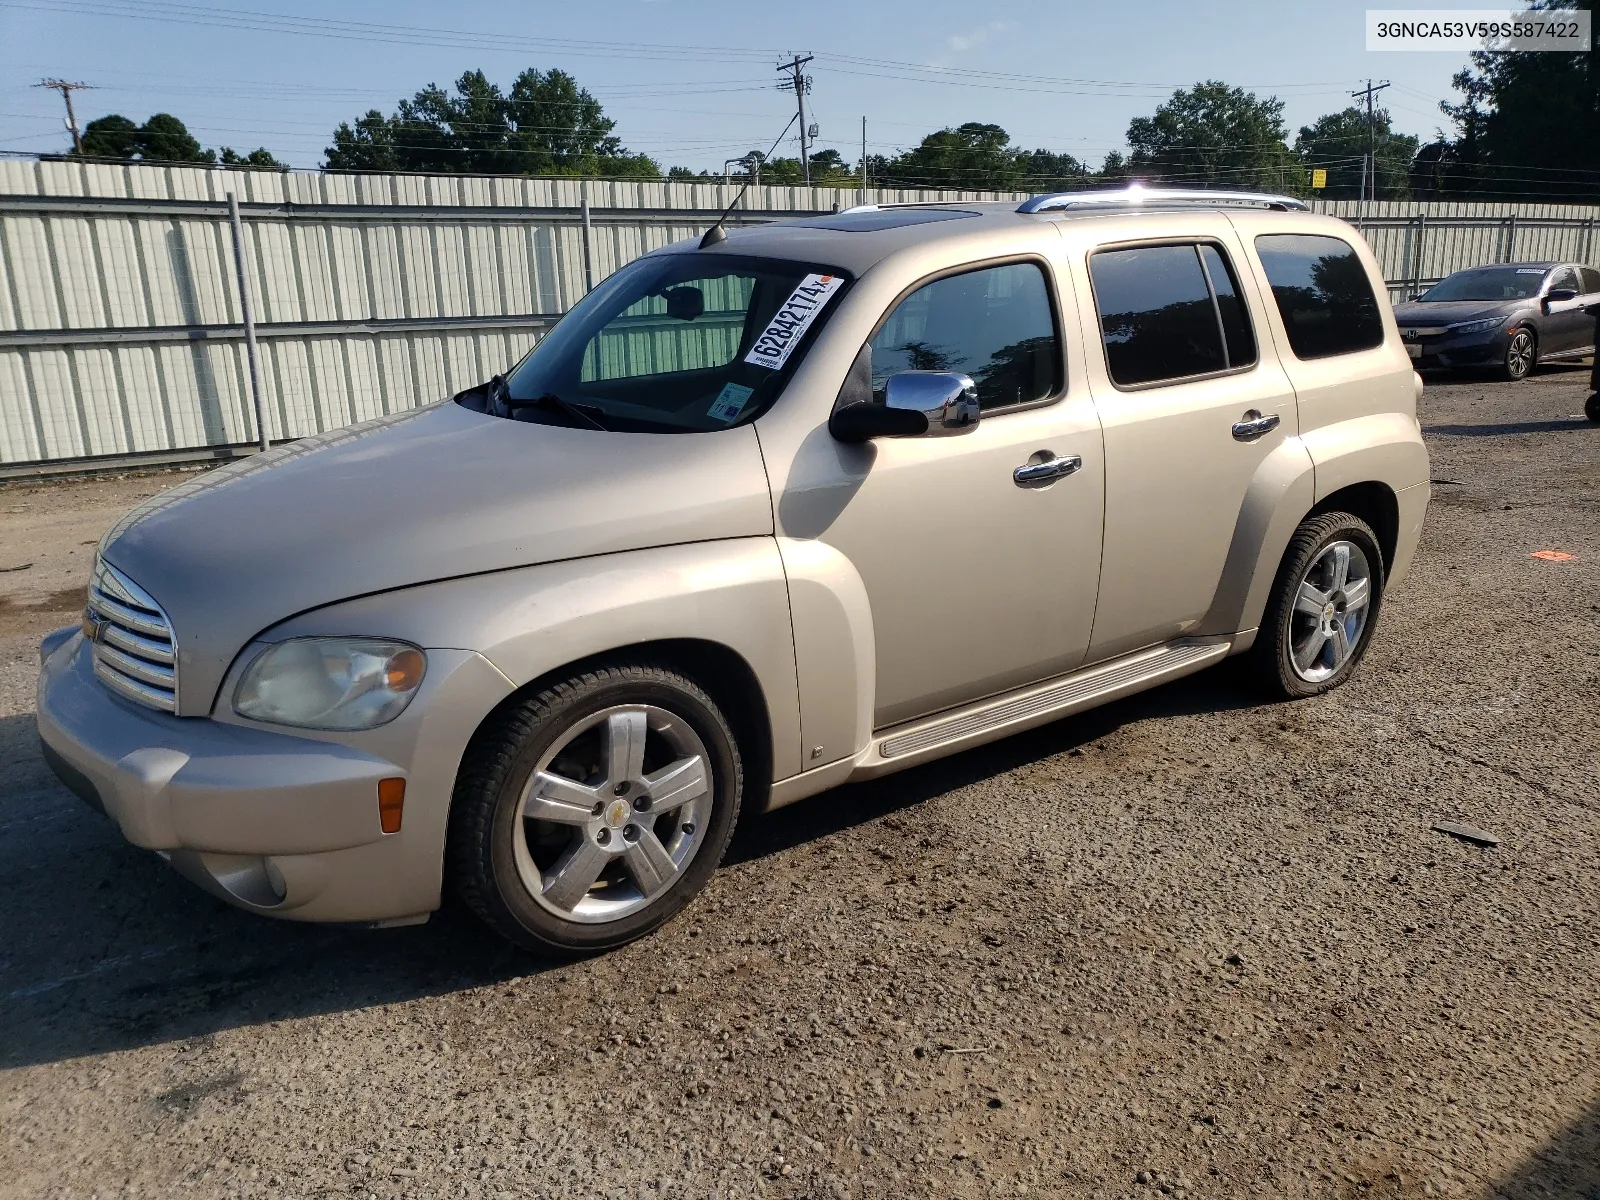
(692,82)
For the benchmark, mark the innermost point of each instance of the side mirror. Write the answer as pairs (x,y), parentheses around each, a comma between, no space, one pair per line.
(1557,295)
(947,400)
(916,404)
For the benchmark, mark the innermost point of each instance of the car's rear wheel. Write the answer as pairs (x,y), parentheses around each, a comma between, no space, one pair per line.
(1591,408)
(1323,608)
(589,814)
(1522,352)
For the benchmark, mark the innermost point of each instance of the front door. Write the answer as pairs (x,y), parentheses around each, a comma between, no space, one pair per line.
(978,583)
(1567,325)
(1190,409)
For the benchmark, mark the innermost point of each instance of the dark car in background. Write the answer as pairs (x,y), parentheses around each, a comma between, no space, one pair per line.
(1510,317)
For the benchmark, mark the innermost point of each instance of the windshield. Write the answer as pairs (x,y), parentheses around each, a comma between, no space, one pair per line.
(1487,283)
(676,343)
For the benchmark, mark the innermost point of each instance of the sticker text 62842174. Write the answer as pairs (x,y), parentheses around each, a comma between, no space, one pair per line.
(794,316)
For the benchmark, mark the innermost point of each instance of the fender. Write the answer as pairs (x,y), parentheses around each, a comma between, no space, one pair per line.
(835,653)
(1282,491)
(530,621)
(1386,447)
(1383,447)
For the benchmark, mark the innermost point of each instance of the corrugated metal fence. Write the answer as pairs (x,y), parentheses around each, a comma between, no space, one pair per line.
(120,328)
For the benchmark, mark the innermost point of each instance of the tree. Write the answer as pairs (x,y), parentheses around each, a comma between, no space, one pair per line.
(972,156)
(1113,170)
(260,159)
(112,136)
(1214,134)
(828,169)
(163,138)
(1528,125)
(1337,143)
(1048,171)
(546,124)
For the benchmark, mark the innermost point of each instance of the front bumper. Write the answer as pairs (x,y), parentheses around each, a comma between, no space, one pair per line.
(1459,351)
(270,821)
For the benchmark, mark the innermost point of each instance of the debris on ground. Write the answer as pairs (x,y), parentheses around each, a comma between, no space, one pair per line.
(1466,833)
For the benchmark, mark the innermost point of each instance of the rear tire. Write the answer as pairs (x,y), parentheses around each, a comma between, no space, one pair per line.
(1522,355)
(1323,608)
(589,814)
(1591,408)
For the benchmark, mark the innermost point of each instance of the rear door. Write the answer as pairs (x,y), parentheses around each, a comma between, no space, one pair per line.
(1590,278)
(1190,409)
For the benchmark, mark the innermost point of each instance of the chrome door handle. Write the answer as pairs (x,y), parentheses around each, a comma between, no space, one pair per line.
(1043,472)
(1253,426)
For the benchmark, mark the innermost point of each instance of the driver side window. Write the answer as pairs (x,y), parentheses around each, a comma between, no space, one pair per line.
(995,324)
(1566,277)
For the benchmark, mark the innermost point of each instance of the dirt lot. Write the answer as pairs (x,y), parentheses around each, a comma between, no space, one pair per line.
(1187,944)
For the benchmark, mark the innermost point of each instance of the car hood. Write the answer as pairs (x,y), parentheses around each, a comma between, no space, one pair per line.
(430,494)
(1450,311)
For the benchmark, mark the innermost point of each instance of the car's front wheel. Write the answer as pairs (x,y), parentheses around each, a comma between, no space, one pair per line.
(1591,408)
(1521,355)
(1323,608)
(589,814)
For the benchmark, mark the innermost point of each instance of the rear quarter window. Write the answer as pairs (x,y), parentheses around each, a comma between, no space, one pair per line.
(1322,292)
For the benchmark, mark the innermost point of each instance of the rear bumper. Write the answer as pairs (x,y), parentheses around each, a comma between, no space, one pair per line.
(269,821)
(1412,503)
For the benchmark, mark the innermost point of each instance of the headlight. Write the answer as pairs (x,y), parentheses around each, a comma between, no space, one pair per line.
(1477,326)
(330,683)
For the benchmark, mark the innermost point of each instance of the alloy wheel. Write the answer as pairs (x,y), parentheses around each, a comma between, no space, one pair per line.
(613,813)
(1519,354)
(1331,609)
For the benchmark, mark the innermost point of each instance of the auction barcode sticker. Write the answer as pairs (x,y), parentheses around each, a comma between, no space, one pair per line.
(794,316)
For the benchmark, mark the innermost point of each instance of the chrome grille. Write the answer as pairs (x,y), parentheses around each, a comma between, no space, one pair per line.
(135,654)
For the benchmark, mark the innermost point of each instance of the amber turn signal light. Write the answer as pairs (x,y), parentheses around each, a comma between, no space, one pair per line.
(391,803)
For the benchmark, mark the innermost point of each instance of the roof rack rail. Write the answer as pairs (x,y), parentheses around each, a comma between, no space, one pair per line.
(905,204)
(1137,194)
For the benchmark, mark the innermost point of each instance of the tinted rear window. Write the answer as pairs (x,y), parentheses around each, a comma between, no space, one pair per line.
(1159,317)
(1322,293)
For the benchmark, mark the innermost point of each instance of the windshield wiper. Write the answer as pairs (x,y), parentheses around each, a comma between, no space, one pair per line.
(550,402)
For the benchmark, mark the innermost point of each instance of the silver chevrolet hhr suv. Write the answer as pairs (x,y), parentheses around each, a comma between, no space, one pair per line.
(796,504)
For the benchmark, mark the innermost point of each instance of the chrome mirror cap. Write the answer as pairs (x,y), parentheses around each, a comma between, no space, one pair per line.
(948,400)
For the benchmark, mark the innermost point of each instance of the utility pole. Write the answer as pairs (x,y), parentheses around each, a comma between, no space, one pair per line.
(66,89)
(863,160)
(801,82)
(1369,167)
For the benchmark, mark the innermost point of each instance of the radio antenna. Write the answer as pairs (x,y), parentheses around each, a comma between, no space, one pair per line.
(717,233)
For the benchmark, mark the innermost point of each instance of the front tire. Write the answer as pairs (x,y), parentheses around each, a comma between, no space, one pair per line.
(589,814)
(1522,354)
(1591,408)
(1323,609)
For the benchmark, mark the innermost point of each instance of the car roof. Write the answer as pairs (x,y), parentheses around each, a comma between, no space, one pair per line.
(1544,264)
(858,238)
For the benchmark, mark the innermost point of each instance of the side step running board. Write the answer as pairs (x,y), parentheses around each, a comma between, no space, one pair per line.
(999,716)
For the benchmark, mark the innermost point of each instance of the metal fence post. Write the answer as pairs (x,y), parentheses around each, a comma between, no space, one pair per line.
(1416,258)
(249,317)
(588,240)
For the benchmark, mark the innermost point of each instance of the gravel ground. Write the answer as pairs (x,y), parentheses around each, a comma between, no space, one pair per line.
(1186,944)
